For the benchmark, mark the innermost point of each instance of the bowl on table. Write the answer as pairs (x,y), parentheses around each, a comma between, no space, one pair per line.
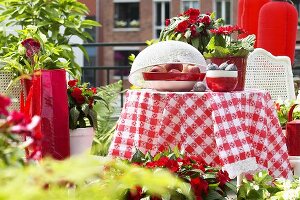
(174,82)
(173,57)
(221,80)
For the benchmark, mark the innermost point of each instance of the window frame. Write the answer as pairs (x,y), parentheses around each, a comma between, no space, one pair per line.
(223,14)
(156,27)
(190,3)
(126,28)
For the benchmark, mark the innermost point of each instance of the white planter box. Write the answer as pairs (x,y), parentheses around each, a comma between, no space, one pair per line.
(81,140)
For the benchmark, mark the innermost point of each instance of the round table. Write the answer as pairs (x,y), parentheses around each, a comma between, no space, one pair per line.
(238,130)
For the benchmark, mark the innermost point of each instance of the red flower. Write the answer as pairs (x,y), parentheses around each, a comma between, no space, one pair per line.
(94,90)
(32,47)
(77,95)
(226,30)
(4,103)
(199,187)
(185,160)
(277,106)
(172,165)
(16,117)
(182,27)
(222,177)
(135,193)
(193,13)
(72,83)
(167,22)
(205,20)
(151,165)
(162,161)
(91,102)
(193,31)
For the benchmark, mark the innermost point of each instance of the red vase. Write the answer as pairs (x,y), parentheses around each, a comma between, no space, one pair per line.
(241,63)
(25,88)
(47,98)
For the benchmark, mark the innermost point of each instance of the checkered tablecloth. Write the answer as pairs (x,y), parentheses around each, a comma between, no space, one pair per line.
(238,130)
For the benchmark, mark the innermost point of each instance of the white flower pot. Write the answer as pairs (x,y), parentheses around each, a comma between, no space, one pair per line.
(81,140)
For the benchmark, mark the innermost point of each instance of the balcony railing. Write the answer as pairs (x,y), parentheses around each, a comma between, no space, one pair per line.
(104,75)
(101,75)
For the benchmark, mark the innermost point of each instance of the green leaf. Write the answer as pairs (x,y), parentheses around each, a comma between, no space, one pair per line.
(82,122)
(187,34)
(90,23)
(138,156)
(84,51)
(178,37)
(213,195)
(74,115)
(93,117)
(196,42)
(85,109)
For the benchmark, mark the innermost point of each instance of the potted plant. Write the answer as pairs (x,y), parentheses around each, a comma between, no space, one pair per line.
(82,116)
(225,46)
(57,20)
(32,52)
(42,70)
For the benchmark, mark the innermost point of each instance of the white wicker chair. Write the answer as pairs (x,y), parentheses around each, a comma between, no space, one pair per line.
(271,73)
(13,92)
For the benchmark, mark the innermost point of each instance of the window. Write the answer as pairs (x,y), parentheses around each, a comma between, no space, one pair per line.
(121,59)
(162,12)
(223,9)
(186,4)
(127,14)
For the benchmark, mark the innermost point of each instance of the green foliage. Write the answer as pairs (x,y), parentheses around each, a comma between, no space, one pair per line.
(197,33)
(264,187)
(222,46)
(105,109)
(49,57)
(81,100)
(282,109)
(84,178)
(206,182)
(11,152)
(58,20)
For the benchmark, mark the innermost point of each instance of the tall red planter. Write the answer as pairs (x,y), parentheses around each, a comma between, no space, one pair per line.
(48,99)
(241,63)
(248,12)
(277,28)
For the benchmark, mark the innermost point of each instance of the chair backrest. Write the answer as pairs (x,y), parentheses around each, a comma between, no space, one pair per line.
(271,73)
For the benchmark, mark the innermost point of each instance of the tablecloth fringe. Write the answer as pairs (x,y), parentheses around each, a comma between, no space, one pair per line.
(241,167)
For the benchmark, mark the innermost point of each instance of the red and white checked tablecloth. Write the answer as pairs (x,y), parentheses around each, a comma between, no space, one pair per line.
(237,130)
